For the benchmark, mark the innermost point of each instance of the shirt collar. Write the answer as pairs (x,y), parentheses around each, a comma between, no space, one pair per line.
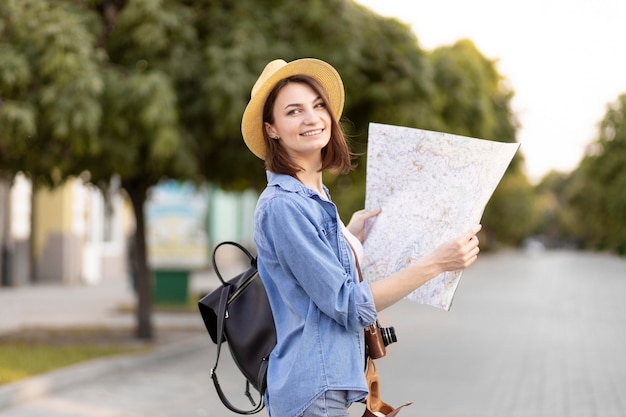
(289,183)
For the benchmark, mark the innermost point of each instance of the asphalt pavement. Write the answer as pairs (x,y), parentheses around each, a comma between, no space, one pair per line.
(537,334)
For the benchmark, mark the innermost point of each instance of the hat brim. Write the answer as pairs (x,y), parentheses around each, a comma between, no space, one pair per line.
(252,120)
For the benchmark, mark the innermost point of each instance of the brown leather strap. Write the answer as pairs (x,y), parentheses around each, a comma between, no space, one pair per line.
(373,403)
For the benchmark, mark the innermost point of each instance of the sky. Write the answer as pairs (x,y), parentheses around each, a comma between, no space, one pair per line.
(564,59)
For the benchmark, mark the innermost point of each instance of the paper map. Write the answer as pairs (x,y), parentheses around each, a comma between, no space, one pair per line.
(432,187)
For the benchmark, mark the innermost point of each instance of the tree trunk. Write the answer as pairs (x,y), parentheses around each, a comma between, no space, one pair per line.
(137,195)
(32,256)
(5,232)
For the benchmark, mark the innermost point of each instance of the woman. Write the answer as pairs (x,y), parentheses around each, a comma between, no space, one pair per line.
(320,308)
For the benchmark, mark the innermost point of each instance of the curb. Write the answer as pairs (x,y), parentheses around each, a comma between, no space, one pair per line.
(39,386)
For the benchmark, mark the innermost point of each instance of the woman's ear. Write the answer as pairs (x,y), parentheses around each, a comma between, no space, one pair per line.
(271,132)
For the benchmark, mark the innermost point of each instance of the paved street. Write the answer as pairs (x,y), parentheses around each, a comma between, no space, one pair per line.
(529,335)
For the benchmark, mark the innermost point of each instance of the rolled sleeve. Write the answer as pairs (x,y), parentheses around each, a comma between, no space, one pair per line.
(366,309)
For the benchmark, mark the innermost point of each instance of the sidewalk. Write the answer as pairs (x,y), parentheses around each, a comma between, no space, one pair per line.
(99,305)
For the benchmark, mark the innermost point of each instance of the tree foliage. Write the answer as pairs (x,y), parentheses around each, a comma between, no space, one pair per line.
(473,99)
(556,214)
(146,45)
(48,70)
(596,192)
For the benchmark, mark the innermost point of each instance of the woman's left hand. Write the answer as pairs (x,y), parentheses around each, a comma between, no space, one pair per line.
(357,222)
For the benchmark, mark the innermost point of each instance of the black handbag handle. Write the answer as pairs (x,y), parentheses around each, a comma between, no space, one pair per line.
(221,316)
(243,249)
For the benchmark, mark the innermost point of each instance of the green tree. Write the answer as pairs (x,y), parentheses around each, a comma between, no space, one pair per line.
(472,97)
(556,214)
(95,89)
(150,61)
(50,85)
(597,192)
(512,214)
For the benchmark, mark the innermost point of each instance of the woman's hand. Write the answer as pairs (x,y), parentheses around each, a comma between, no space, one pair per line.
(459,253)
(357,222)
(454,255)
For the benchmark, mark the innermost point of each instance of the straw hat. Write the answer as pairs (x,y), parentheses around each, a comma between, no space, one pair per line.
(252,121)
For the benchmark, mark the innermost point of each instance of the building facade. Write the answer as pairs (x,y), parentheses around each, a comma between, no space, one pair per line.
(76,235)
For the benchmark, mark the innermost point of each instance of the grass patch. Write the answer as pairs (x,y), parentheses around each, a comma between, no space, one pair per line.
(35,351)
(20,360)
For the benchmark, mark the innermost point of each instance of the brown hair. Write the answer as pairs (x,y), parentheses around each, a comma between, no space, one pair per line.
(335,156)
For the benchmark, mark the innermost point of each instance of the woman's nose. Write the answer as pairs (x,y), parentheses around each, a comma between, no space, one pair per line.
(311,116)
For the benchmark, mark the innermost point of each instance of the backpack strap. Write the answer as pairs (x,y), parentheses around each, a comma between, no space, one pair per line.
(221,316)
(241,247)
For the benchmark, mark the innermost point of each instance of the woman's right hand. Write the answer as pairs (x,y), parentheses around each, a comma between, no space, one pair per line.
(459,253)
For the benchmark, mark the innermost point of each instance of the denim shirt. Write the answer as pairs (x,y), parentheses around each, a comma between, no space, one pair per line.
(319,306)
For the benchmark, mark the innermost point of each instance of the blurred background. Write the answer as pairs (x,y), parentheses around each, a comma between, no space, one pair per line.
(121,156)
(107,105)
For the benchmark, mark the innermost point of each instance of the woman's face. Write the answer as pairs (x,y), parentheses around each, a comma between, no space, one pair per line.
(301,121)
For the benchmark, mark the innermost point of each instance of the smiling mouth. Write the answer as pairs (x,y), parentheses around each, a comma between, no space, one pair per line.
(312,132)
